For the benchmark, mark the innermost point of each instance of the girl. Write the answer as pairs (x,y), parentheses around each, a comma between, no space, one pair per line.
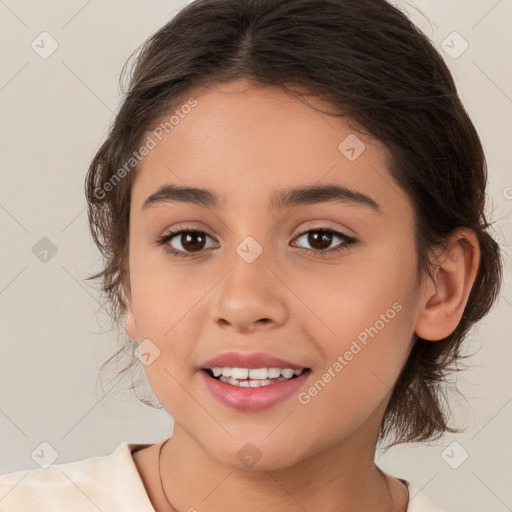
(290,204)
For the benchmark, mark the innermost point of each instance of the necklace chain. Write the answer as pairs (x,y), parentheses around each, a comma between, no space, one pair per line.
(174,510)
(160,475)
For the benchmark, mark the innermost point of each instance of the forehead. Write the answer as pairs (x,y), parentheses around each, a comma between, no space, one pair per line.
(246,141)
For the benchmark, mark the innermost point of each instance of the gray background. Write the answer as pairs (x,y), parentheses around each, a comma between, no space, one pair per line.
(55,112)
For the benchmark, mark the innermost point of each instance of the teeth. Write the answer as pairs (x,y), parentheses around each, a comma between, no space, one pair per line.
(239,373)
(260,374)
(250,383)
(287,373)
(273,373)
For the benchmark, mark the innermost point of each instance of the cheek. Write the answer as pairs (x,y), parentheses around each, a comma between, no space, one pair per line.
(362,365)
(164,293)
(364,316)
(347,300)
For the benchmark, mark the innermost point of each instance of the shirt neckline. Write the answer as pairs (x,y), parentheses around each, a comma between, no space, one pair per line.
(421,502)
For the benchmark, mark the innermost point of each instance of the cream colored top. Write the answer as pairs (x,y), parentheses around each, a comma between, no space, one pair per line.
(108,483)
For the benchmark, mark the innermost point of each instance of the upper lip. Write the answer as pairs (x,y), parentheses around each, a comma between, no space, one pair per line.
(249,360)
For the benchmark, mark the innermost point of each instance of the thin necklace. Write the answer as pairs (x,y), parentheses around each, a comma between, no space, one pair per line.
(174,510)
(160,475)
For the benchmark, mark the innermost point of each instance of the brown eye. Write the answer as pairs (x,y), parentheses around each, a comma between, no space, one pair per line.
(186,242)
(183,242)
(191,240)
(320,239)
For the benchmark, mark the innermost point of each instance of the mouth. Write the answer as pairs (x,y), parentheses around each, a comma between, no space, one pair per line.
(252,381)
(254,377)
(254,389)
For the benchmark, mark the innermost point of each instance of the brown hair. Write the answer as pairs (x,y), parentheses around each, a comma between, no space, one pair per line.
(370,62)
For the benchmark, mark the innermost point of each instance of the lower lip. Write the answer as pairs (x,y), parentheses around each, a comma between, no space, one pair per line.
(253,399)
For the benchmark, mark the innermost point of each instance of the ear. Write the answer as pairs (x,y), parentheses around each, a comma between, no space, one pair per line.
(130,325)
(443,301)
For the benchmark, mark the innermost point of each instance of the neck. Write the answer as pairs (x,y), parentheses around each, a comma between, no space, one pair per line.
(341,478)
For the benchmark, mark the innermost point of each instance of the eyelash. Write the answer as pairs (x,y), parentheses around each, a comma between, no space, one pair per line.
(344,246)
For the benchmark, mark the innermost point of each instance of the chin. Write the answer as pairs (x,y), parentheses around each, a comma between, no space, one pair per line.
(256,456)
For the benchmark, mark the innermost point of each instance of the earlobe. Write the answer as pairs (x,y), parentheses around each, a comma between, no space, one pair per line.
(130,325)
(444,300)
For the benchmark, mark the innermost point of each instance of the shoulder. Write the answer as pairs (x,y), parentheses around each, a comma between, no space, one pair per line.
(418,501)
(108,482)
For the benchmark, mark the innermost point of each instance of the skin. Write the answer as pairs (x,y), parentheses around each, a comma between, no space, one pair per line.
(244,142)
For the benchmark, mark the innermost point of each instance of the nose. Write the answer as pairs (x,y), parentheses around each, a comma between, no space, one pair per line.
(249,298)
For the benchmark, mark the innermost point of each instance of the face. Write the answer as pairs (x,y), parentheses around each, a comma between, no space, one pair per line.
(327,282)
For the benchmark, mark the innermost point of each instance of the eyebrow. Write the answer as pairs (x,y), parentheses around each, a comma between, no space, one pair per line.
(280,199)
